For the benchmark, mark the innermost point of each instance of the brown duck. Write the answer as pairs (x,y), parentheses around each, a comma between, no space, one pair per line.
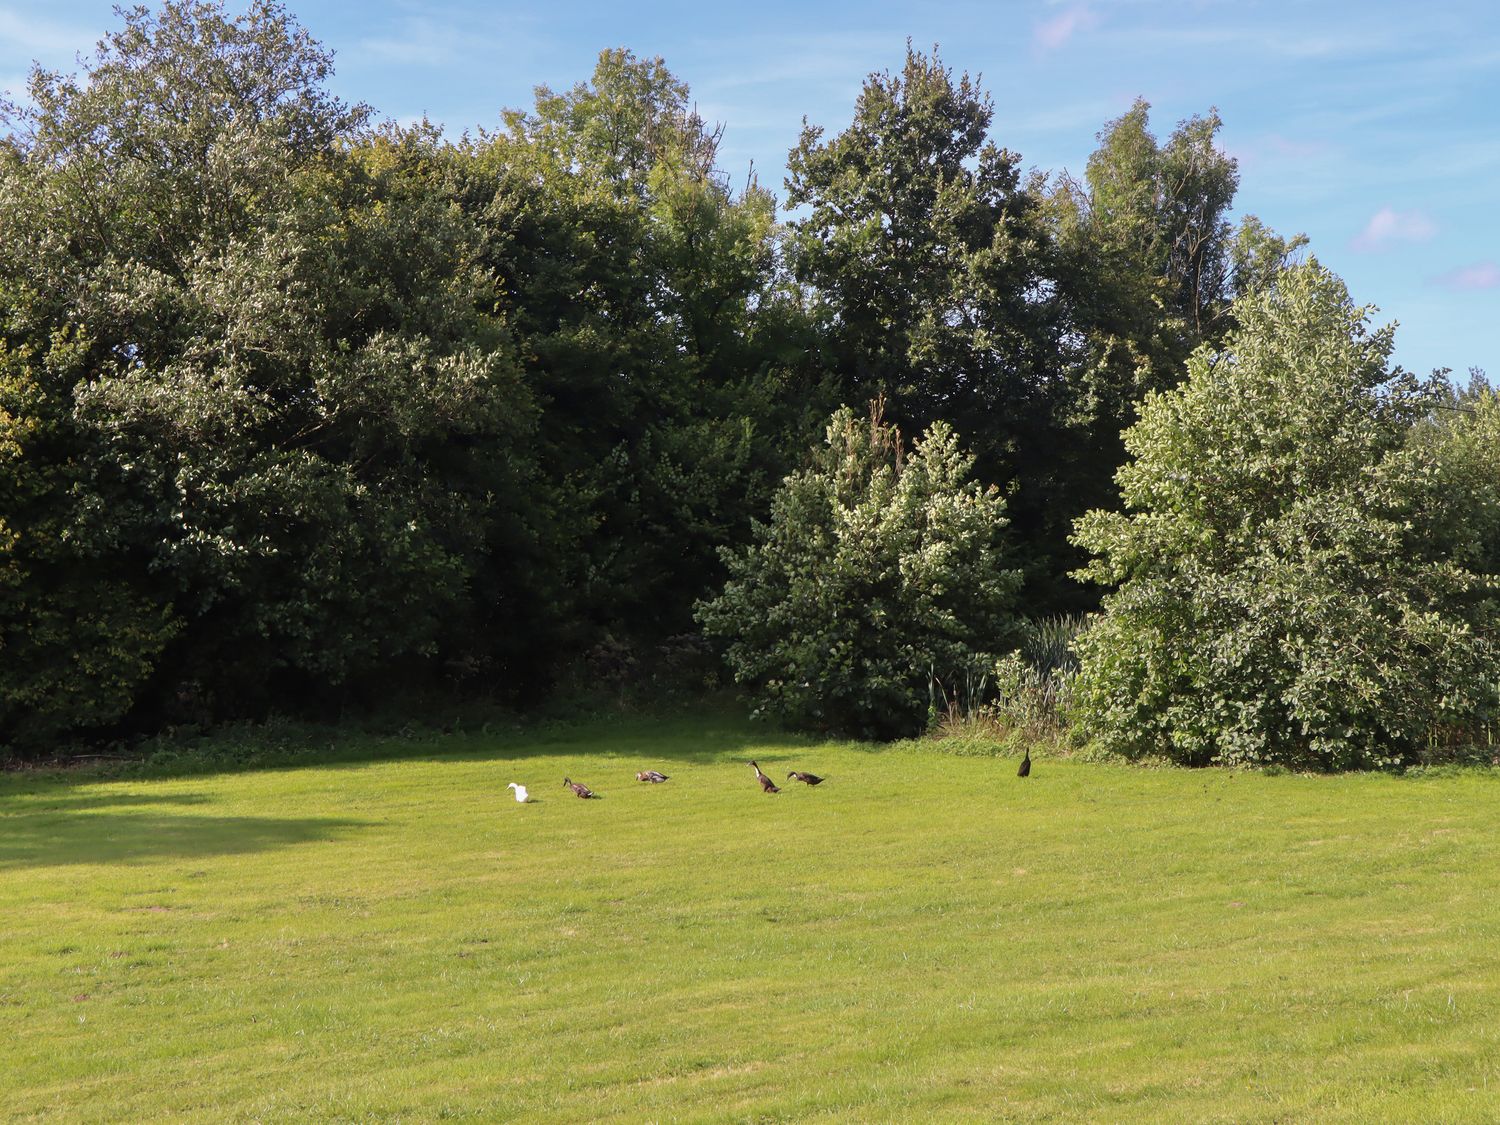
(766,784)
(809,778)
(579,789)
(655,777)
(1024,770)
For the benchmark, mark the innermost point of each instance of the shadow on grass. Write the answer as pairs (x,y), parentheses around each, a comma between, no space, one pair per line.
(49,838)
(710,736)
(59,798)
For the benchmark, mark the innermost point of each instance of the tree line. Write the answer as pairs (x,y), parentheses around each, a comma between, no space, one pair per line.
(300,408)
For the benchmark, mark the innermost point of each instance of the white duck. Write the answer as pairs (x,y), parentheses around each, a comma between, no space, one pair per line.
(521,795)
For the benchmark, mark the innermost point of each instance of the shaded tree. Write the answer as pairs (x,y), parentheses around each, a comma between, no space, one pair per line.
(254,351)
(933,279)
(1149,267)
(654,333)
(1153,261)
(927,256)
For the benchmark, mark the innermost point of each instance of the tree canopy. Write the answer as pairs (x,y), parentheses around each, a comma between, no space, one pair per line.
(301,410)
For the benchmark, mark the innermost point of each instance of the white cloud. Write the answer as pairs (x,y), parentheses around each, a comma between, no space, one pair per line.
(1055,32)
(1388,226)
(1482,275)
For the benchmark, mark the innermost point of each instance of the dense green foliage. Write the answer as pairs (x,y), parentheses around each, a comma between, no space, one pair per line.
(1030,315)
(644,303)
(925,251)
(300,411)
(877,569)
(297,410)
(1461,441)
(249,346)
(1289,590)
(1149,269)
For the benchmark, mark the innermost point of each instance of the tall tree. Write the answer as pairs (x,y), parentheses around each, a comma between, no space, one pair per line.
(932,273)
(654,332)
(1153,261)
(1150,266)
(927,255)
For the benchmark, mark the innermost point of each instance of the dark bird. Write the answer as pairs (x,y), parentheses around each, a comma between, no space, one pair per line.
(579,789)
(653,776)
(810,778)
(1024,770)
(766,784)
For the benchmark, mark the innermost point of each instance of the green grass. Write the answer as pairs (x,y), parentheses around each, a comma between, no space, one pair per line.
(925,937)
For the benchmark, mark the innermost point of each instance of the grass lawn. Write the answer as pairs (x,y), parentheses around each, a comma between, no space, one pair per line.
(924,937)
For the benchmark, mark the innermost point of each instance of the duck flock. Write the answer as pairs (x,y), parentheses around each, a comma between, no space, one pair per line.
(656,777)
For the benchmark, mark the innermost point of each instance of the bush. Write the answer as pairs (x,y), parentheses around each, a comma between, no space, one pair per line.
(875,572)
(1287,590)
(1021,698)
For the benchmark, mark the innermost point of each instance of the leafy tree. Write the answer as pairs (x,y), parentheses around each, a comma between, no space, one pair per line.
(933,275)
(1165,208)
(1153,263)
(643,293)
(1461,440)
(1149,267)
(928,258)
(876,568)
(77,637)
(261,357)
(1280,594)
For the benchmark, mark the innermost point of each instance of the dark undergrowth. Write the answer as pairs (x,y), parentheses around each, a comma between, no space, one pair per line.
(455,728)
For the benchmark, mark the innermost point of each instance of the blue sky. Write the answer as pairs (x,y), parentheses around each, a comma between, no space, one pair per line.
(1372,127)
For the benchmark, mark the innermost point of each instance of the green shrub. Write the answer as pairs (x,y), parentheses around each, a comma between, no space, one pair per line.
(1286,586)
(875,572)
